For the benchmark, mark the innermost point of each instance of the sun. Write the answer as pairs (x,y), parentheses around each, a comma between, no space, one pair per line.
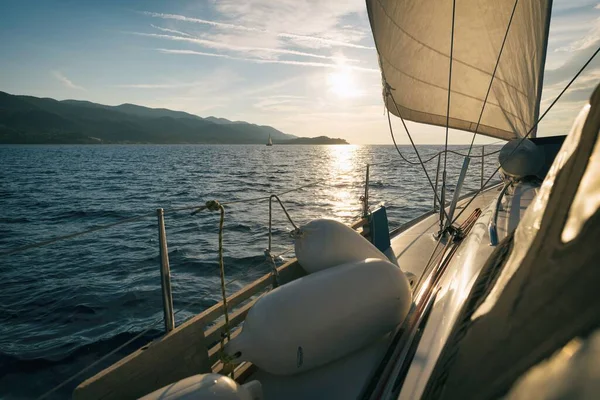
(343,83)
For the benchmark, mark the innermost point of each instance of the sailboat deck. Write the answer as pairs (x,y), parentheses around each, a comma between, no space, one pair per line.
(412,247)
(186,351)
(346,378)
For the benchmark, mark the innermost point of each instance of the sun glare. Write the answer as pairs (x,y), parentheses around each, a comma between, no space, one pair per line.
(343,84)
(342,158)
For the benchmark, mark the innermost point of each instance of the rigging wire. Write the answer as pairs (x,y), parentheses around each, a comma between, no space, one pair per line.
(143,216)
(457,152)
(530,130)
(389,93)
(448,116)
(145,331)
(76,234)
(420,162)
(493,76)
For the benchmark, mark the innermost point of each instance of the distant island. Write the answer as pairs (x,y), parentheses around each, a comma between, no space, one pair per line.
(34,120)
(313,140)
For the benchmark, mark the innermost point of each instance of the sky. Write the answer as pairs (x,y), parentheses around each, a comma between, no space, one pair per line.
(263,61)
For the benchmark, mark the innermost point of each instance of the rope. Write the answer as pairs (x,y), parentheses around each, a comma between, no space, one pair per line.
(197,209)
(274,196)
(142,216)
(461,232)
(389,93)
(403,196)
(448,112)
(214,205)
(121,347)
(474,156)
(148,329)
(268,254)
(493,75)
(420,162)
(457,152)
(74,235)
(530,130)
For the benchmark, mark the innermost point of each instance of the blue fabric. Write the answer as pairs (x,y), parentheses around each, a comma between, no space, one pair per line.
(380,232)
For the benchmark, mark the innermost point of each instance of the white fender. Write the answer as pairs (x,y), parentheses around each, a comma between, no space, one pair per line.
(209,387)
(324,243)
(321,317)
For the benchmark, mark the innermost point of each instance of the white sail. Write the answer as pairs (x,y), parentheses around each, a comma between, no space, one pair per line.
(413,41)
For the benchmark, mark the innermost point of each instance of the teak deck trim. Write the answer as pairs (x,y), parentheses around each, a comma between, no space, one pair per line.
(185,350)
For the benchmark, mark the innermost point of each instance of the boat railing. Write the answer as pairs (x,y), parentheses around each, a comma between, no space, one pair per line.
(209,329)
(479,160)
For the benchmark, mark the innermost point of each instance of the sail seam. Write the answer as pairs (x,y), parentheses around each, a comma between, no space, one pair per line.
(441,53)
(492,131)
(484,186)
(492,79)
(453,91)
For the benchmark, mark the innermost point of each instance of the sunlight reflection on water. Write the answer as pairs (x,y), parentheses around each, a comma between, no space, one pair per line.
(77,299)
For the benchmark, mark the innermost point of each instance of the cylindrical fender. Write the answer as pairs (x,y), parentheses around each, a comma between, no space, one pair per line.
(321,317)
(324,243)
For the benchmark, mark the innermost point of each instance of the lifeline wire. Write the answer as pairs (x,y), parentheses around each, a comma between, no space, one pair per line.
(531,130)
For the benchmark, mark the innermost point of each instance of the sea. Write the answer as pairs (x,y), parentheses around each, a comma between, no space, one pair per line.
(65,304)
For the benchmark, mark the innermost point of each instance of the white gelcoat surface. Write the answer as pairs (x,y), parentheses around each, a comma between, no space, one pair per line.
(456,284)
(347,377)
(323,316)
(325,243)
(208,387)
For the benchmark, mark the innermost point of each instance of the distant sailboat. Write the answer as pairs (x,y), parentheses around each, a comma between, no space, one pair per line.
(270,142)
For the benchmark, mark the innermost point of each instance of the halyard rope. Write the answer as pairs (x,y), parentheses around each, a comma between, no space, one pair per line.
(213,205)
(484,186)
(493,76)
(139,335)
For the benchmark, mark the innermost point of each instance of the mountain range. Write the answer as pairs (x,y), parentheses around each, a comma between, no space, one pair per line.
(32,120)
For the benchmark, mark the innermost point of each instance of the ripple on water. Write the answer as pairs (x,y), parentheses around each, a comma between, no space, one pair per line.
(65,305)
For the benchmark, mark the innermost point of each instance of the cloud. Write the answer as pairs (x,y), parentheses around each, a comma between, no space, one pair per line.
(171,31)
(155,85)
(268,88)
(268,61)
(561,117)
(589,40)
(211,83)
(246,49)
(282,104)
(306,39)
(66,81)
(572,65)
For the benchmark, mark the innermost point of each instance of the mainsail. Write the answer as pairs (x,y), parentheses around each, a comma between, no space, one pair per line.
(413,40)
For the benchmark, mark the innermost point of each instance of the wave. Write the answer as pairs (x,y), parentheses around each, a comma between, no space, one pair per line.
(8,220)
(10,363)
(91,214)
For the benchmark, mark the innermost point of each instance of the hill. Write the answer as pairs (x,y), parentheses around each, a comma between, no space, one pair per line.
(313,140)
(28,119)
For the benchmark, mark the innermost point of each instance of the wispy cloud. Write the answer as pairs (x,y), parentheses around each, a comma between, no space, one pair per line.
(253,91)
(246,49)
(155,85)
(269,61)
(306,38)
(585,42)
(170,31)
(202,53)
(66,81)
